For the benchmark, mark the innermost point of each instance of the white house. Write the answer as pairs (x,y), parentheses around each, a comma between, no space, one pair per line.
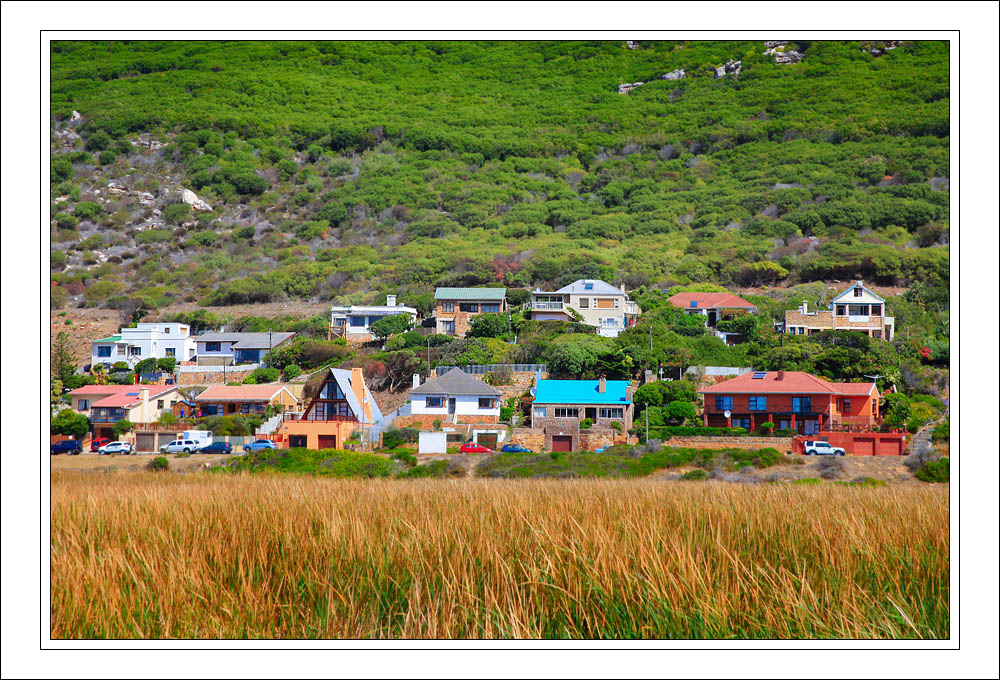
(144,341)
(227,349)
(596,302)
(455,397)
(355,321)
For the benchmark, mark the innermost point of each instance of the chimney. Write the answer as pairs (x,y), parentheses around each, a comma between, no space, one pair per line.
(390,300)
(805,307)
(358,387)
(602,386)
(780,376)
(144,403)
(416,380)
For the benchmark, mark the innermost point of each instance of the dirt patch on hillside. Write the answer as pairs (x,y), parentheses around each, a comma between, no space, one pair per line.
(890,469)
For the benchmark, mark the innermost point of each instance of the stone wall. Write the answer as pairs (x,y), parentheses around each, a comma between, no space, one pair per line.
(521,382)
(426,420)
(783,444)
(584,440)
(213,378)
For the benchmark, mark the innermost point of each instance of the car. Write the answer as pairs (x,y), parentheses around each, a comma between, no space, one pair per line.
(821,448)
(472,447)
(602,449)
(217,447)
(515,448)
(116,447)
(69,446)
(98,443)
(260,445)
(180,446)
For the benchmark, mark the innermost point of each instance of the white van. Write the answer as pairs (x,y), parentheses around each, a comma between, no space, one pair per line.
(199,437)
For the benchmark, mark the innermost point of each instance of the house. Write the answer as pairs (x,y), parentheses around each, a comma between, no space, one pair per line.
(855,309)
(339,407)
(463,407)
(229,349)
(792,400)
(560,406)
(232,400)
(105,405)
(354,322)
(595,302)
(456,307)
(715,307)
(144,341)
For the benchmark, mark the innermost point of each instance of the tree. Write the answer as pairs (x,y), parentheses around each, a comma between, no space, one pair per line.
(263,375)
(68,422)
(391,325)
(63,362)
(121,427)
(897,410)
(167,364)
(488,326)
(680,411)
(146,366)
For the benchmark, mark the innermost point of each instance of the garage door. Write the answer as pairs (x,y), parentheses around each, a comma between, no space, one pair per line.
(164,439)
(487,440)
(327,441)
(864,446)
(145,441)
(562,443)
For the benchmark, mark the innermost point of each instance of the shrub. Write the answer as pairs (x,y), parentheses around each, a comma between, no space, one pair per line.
(146,366)
(940,433)
(107,157)
(246,232)
(167,364)
(167,418)
(177,213)
(586,423)
(936,471)
(69,423)
(766,428)
(405,457)
(262,375)
(87,210)
(393,437)
(66,221)
(99,141)
(391,325)
(830,467)
(159,464)
(292,371)
(437,423)
(695,475)
(121,427)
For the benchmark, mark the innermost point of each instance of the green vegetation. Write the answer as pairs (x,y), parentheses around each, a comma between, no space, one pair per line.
(67,422)
(934,471)
(324,463)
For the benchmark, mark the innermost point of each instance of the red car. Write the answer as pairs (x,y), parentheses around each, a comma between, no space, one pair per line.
(471,447)
(98,443)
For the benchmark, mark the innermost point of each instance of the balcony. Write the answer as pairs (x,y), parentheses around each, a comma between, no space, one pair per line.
(539,304)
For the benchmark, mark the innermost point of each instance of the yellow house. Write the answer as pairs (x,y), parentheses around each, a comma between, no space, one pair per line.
(105,405)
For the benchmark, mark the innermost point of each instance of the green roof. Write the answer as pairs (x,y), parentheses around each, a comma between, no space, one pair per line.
(470,293)
(113,338)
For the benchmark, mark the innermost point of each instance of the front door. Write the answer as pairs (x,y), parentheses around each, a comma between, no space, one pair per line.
(297,441)
(590,412)
(451,405)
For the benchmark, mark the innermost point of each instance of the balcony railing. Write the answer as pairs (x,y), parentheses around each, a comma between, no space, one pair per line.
(547,305)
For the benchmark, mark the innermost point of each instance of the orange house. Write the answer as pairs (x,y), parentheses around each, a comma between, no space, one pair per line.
(342,406)
(792,400)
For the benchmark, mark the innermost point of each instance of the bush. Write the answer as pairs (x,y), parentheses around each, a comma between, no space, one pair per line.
(262,375)
(66,221)
(405,457)
(68,422)
(146,366)
(393,437)
(107,157)
(831,467)
(159,464)
(87,210)
(99,141)
(292,371)
(586,423)
(121,427)
(936,471)
(695,475)
(167,364)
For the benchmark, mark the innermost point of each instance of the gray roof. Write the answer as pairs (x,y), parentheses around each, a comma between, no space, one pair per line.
(599,288)
(343,378)
(456,382)
(470,294)
(246,340)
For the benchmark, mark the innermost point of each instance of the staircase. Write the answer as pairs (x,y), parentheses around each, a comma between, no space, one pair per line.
(271,425)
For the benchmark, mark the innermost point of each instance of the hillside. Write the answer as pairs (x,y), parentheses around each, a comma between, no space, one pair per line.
(343,171)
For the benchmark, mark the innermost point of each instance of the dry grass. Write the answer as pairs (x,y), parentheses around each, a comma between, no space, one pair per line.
(139,555)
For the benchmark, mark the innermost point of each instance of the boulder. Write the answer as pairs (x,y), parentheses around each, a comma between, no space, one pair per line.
(76,116)
(625,88)
(192,200)
(674,75)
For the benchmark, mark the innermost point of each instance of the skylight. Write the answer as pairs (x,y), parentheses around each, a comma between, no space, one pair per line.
(588,285)
(694,303)
(759,375)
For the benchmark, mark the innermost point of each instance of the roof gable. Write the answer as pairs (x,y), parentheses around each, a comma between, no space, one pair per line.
(456,382)
(581,392)
(709,301)
(867,294)
(597,287)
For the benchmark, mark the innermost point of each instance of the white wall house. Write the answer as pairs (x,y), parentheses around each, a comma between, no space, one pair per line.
(227,349)
(355,321)
(144,341)
(599,304)
(455,397)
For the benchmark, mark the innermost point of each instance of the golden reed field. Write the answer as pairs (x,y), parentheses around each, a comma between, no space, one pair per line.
(141,555)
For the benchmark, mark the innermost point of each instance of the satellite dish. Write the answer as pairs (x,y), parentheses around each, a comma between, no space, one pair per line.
(728,413)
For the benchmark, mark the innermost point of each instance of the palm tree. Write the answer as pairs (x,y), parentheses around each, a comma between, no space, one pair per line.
(100,373)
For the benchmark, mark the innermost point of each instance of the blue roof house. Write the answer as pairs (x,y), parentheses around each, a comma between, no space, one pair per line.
(561,405)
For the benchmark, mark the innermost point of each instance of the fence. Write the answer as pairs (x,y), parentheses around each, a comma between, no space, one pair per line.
(481,369)
(218,369)
(719,370)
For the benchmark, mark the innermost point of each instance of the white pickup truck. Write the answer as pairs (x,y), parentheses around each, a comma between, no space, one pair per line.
(821,448)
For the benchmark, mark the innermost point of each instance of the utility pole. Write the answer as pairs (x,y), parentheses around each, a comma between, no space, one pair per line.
(646,411)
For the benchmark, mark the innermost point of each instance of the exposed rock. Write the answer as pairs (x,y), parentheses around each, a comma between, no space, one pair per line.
(731,68)
(61,199)
(625,88)
(192,200)
(630,149)
(631,44)
(788,185)
(76,116)
(667,152)
(782,55)
(769,211)
(674,75)
(940,183)
(693,162)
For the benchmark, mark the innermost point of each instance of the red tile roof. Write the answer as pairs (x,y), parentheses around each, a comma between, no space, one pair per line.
(120,389)
(240,393)
(124,395)
(786,382)
(709,301)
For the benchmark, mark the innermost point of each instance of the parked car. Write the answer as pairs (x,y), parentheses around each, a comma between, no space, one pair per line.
(472,447)
(515,448)
(116,447)
(217,447)
(69,446)
(260,445)
(96,444)
(602,449)
(180,446)
(821,448)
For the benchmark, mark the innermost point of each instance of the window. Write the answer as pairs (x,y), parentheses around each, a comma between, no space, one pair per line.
(492,308)
(213,346)
(845,406)
(447,326)
(801,404)
(741,422)
(723,403)
(876,310)
(159,403)
(170,352)
(135,351)
(567,413)
(448,307)
(758,403)
(538,412)
(357,321)
(167,331)
(331,390)
(857,310)
(617,413)
(83,405)
(584,303)
(104,350)
(434,402)
(616,302)
(468,307)
(340,321)
(487,402)
(858,291)
(841,310)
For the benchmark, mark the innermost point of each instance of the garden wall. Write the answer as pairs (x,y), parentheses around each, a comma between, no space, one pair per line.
(783,444)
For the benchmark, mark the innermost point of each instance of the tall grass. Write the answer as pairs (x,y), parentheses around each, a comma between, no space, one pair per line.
(203,556)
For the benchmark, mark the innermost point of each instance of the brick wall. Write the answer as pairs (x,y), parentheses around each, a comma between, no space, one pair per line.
(783,444)
(426,420)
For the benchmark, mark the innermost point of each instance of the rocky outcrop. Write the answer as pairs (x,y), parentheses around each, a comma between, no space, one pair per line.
(731,68)
(674,75)
(625,88)
(192,200)
(631,44)
(782,55)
